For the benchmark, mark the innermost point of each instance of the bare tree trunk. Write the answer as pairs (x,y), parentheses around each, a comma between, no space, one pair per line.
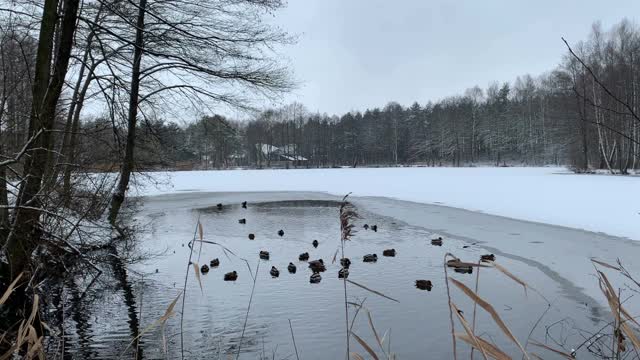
(70,138)
(25,233)
(128,162)
(4,200)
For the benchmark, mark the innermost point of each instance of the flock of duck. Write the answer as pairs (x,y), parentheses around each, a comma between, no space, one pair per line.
(318,266)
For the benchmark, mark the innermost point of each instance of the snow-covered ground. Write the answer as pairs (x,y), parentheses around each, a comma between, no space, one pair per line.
(600,203)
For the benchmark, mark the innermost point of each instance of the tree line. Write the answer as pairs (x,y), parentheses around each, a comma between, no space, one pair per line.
(582,114)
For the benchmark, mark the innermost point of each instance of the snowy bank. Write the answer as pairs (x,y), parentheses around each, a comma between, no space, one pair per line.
(609,204)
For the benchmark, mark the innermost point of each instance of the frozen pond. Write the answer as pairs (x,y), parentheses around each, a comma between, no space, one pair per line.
(551,259)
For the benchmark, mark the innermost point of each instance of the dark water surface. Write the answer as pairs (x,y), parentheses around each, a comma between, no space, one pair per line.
(417,326)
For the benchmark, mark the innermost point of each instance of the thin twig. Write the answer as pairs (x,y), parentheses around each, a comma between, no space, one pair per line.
(446,280)
(184,290)
(294,340)
(246,317)
(475,307)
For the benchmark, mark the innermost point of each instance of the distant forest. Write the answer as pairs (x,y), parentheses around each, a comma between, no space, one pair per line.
(578,114)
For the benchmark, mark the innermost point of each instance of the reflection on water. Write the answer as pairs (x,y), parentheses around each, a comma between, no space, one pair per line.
(214,315)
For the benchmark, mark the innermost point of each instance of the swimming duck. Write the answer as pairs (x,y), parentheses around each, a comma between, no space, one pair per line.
(389,252)
(291,268)
(274,272)
(460,267)
(264,255)
(343,273)
(204,269)
(374,228)
(219,206)
(437,241)
(244,204)
(242,221)
(315,243)
(303,256)
(281,232)
(424,285)
(366,226)
(464,269)
(370,258)
(345,262)
(232,276)
(214,263)
(487,258)
(252,236)
(317,266)
(315,278)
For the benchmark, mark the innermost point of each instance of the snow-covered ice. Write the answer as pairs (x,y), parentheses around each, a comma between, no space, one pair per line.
(600,203)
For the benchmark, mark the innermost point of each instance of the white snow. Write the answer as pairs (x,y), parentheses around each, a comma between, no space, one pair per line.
(600,203)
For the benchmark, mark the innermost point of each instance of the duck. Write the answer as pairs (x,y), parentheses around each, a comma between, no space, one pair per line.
(204,269)
(487,258)
(370,258)
(389,252)
(437,241)
(315,278)
(366,226)
(219,206)
(264,255)
(345,262)
(424,285)
(465,246)
(460,267)
(343,273)
(274,271)
(244,204)
(242,221)
(315,243)
(252,236)
(231,276)
(214,263)
(374,228)
(281,232)
(292,268)
(304,256)
(464,269)
(317,266)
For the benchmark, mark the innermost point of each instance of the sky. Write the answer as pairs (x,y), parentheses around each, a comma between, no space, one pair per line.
(358,54)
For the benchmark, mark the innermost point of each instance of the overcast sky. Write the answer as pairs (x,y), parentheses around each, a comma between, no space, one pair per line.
(355,54)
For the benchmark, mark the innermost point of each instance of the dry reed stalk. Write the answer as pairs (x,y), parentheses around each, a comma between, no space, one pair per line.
(446,281)
(196,270)
(469,331)
(358,307)
(294,340)
(26,334)
(491,349)
(246,317)
(184,290)
(10,289)
(616,307)
(365,346)
(489,308)
(371,290)
(555,351)
(347,214)
(475,306)
(160,321)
